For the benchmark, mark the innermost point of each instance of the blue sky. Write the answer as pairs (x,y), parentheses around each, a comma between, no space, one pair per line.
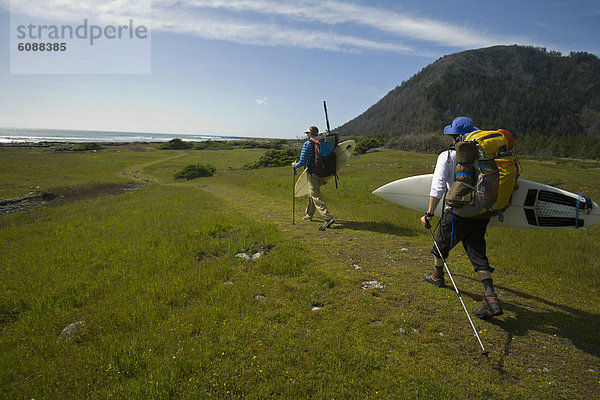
(263,68)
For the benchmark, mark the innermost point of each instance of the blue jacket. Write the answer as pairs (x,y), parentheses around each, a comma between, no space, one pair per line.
(307,155)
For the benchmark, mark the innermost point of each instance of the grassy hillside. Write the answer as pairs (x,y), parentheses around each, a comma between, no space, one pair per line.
(169,311)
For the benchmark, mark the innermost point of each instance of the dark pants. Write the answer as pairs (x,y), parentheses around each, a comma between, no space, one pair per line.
(470,231)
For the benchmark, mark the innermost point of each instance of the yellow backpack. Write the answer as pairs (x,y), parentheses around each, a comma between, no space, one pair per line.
(486,174)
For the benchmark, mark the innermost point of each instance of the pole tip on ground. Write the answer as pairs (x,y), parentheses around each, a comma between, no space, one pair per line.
(486,355)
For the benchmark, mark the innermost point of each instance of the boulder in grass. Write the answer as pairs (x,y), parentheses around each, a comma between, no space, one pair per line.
(74,329)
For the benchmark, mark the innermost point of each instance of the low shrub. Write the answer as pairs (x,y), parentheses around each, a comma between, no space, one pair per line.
(81,147)
(277,144)
(366,144)
(275,158)
(175,144)
(195,171)
(215,145)
(86,147)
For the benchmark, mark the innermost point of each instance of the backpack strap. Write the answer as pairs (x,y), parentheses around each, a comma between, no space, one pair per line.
(467,136)
(316,150)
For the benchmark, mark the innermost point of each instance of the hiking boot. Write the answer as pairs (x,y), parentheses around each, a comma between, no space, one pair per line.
(327,224)
(307,218)
(432,277)
(490,307)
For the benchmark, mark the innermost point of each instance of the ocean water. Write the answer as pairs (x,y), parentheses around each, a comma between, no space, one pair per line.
(21,135)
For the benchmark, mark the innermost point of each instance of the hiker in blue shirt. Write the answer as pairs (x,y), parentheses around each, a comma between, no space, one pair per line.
(315,200)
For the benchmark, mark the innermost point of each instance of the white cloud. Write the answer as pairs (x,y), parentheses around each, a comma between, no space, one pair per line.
(262,101)
(265,34)
(338,12)
(306,24)
(75,11)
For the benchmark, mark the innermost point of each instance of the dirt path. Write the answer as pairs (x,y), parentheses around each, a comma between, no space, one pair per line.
(266,208)
(371,252)
(134,171)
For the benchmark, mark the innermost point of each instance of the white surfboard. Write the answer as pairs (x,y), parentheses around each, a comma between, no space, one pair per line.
(343,151)
(533,204)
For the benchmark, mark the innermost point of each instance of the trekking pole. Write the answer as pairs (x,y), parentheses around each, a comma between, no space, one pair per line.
(485,352)
(293,197)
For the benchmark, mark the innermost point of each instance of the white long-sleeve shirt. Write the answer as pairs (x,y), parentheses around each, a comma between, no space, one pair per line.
(443,176)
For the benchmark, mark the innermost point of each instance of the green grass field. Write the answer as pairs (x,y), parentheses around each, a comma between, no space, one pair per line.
(170,312)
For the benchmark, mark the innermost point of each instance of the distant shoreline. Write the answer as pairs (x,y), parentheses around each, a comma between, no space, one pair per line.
(60,143)
(64,136)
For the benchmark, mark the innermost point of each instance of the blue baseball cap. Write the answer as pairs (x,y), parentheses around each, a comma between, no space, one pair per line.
(460,125)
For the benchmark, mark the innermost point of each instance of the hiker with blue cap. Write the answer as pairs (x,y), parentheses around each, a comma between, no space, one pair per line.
(454,229)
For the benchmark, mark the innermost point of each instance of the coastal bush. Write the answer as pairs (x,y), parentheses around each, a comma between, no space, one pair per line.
(426,143)
(175,144)
(195,171)
(276,144)
(81,147)
(215,144)
(253,144)
(86,147)
(274,158)
(368,143)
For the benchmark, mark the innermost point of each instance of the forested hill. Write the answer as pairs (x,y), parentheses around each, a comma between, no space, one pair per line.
(547,100)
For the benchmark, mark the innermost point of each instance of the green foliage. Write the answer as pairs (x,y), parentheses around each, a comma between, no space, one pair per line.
(426,143)
(241,144)
(175,144)
(87,147)
(195,171)
(81,147)
(215,144)
(275,158)
(277,144)
(526,90)
(365,144)
(555,146)
(253,144)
